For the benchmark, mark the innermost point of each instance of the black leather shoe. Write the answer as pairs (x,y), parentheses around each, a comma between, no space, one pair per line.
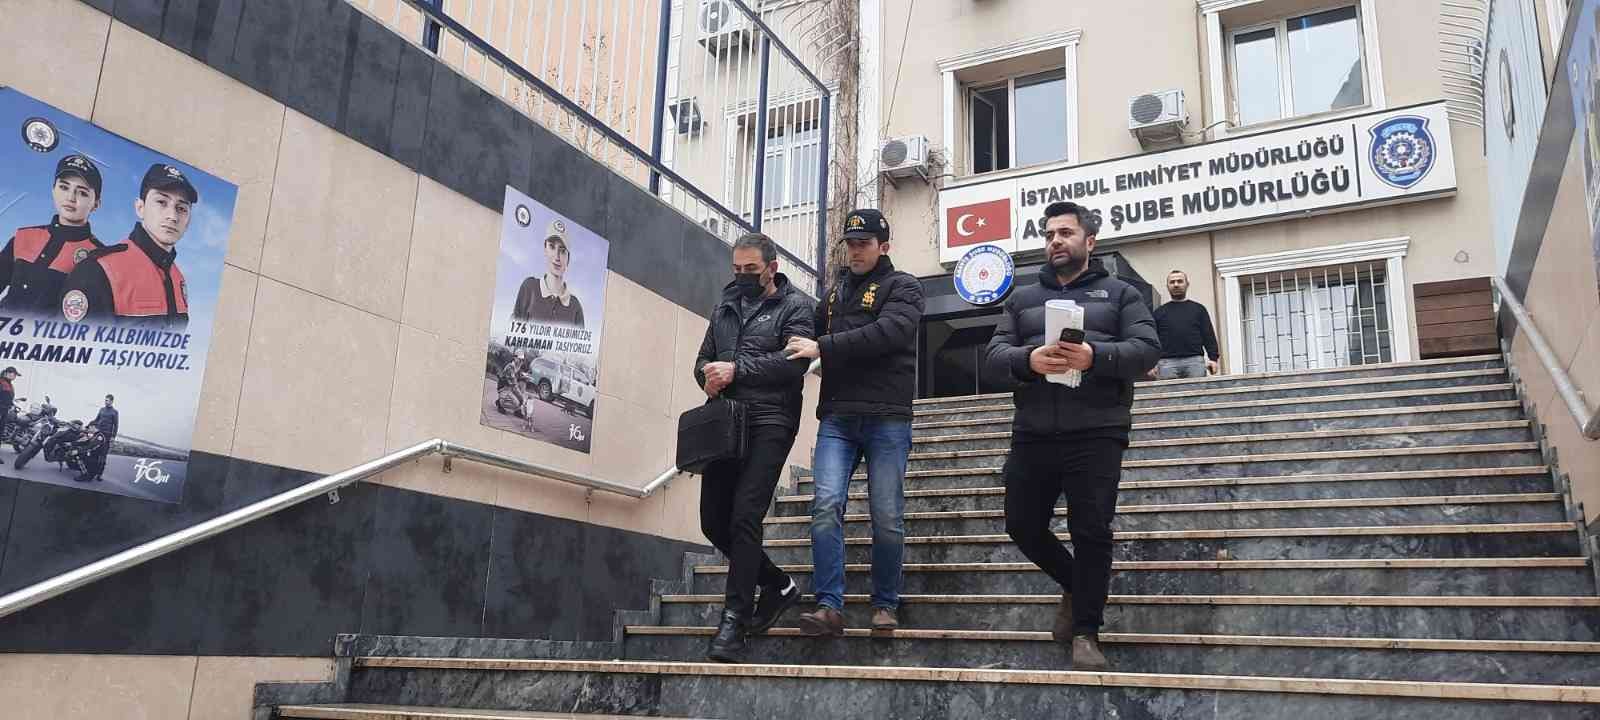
(728,645)
(772,605)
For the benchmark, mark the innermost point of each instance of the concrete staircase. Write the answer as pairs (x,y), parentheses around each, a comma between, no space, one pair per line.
(1367,542)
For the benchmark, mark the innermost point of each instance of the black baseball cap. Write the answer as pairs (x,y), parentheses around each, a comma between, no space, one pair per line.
(161,176)
(81,166)
(12,370)
(866,223)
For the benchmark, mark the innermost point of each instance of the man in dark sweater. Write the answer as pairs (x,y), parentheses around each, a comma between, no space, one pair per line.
(1069,440)
(1188,344)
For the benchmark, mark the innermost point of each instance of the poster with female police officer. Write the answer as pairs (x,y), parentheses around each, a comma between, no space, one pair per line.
(108,287)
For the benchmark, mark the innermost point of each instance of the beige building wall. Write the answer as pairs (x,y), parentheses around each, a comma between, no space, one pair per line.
(1165,45)
(1564,299)
(144,687)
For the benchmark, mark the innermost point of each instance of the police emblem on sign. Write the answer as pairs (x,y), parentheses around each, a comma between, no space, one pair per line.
(39,135)
(74,306)
(524,215)
(79,255)
(1402,150)
(984,275)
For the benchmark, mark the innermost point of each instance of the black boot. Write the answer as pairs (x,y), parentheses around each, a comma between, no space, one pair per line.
(774,601)
(728,645)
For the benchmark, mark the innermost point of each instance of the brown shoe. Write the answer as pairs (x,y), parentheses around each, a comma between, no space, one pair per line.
(884,619)
(1062,631)
(1086,653)
(822,621)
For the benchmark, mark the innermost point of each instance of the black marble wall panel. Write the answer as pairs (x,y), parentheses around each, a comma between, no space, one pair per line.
(142,15)
(379,561)
(412,88)
(430,557)
(323,59)
(474,143)
(263,54)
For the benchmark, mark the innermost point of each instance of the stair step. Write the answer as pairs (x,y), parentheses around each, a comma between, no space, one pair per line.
(361,711)
(1454,540)
(1367,658)
(1553,618)
(1267,464)
(1441,365)
(977,489)
(745,690)
(1152,429)
(1407,576)
(1461,509)
(1496,431)
(1344,401)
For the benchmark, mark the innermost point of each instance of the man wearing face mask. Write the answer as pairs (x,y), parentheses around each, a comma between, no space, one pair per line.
(1070,440)
(742,358)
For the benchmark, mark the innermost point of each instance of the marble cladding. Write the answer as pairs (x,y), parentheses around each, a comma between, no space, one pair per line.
(1287,425)
(1288,547)
(999,409)
(1408,487)
(1450,513)
(1339,663)
(1571,581)
(747,697)
(1371,460)
(1355,621)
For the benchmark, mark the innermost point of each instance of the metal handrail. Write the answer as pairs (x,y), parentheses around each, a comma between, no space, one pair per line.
(1588,421)
(139,554)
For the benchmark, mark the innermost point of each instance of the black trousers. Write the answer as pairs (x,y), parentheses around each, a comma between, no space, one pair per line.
(734,497)
(1087,471)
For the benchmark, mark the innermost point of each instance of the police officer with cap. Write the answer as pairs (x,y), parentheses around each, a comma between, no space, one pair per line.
(35,263)
(549,298)
(138,279)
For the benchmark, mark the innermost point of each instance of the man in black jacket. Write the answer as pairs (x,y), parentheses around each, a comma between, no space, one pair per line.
(867,340)
(1071,439)
(742,358)
(1188,345)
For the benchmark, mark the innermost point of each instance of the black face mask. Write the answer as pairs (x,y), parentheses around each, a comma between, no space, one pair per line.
(749,285)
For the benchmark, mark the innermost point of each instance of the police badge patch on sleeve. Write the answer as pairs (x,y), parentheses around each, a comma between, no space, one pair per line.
(74,306)
(79,255)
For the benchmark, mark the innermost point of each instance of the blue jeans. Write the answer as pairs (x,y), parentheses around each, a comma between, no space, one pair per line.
(841,441)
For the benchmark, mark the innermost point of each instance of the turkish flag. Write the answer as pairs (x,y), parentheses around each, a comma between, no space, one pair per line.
(978,223)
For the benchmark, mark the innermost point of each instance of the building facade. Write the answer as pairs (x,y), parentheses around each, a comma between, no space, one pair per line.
(1305,162)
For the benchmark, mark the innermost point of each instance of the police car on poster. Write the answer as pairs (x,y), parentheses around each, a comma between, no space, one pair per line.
(984,275)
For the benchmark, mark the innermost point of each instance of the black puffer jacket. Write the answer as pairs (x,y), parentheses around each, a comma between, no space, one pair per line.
(1119,327)
(867,332)
(769,385)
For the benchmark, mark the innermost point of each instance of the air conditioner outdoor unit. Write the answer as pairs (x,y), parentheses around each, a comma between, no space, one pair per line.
(903,157)
(1157,118)
(686,114)
(723,26)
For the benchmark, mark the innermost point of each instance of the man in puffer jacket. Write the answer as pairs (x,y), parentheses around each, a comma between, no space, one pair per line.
(1070,440)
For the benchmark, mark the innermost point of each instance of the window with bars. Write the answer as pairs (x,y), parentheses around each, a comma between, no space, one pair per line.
(1314,318)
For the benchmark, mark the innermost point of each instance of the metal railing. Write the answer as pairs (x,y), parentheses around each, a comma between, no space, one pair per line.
(700,102)
(329,485)
(1588,420)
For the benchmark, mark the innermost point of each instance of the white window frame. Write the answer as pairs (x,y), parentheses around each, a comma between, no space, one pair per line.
(783,145)
(1010,84)
(1219,46)
(1391,250)
(955,111)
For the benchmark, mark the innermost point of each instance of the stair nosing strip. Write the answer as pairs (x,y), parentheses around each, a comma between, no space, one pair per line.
(1435,474)
(1251,389)
(367,711)
(1237,683)
(1430,601)
(1221,565)
(1129,638)
(1236,506)
(1234,533)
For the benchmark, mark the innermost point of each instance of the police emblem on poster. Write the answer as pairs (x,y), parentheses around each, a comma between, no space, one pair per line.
(39,135)
(984,275)
(1402,150)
